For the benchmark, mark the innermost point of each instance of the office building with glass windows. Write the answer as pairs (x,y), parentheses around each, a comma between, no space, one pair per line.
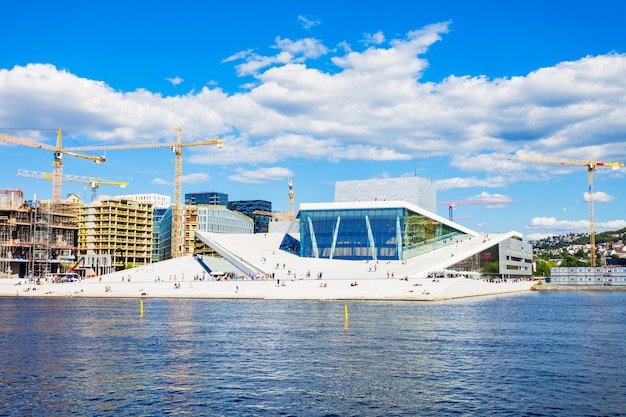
(258,210)
(204,197)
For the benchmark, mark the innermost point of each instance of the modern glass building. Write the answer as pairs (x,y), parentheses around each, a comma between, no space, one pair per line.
(345,236)
(157,216)
(248,207)
(213,198)
(368,231)
(219,219)
(397,231)
(165,235)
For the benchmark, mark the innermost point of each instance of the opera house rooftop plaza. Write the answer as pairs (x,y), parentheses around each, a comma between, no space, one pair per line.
(282,275)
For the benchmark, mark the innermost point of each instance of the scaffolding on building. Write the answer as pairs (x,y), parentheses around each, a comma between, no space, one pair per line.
(36,238)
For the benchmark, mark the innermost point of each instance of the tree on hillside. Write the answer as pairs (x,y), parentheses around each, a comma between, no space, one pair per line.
(571,260)
(543,267)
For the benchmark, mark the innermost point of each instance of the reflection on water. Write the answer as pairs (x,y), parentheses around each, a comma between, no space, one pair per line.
(546,354)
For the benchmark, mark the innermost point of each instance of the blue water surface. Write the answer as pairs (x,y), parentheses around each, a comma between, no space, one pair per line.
(531,354)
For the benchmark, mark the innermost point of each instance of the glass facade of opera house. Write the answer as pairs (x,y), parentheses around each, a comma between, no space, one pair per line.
(367,234)
(395,233)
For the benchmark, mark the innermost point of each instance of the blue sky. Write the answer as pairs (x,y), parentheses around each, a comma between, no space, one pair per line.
(324,91)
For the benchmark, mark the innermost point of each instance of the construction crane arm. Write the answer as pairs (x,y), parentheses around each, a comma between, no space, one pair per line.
(68,177)
(587,163)
(121,184)
(34,144)
(26,142)
(172,145)
(96,159)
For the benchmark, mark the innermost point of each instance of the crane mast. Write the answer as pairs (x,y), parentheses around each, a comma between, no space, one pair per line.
(591,167)
(178,185)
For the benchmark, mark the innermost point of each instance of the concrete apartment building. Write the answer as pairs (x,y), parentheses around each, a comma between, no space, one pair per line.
(188,229)
(118,228)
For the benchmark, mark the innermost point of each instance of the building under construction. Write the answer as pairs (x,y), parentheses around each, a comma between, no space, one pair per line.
(36,238)
(114,234)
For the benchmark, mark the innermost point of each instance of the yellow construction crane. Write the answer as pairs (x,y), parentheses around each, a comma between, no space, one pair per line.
(93,182)
(591,167)
(177,148)
(57,165)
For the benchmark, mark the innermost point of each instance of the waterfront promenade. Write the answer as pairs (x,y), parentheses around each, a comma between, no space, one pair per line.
(185,278)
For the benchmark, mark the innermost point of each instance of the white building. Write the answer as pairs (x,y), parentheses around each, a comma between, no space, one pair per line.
(218,219)
(415,190)
(343,238)
(158,201)
(588,276)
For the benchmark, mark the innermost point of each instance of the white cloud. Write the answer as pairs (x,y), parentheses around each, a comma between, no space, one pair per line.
(239,55)
(492,200)
(239,150)
(369,104)
(308,22)
(599,197)
(470,182)
(306,48)
(288,52)
(175,81)
(159,181)
(374,38)
(260,175)
(196,178)
(552,225)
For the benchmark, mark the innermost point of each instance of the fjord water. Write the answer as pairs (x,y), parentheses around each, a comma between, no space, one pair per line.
(530,354)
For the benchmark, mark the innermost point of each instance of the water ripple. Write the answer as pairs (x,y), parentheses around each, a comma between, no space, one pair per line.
(538,354)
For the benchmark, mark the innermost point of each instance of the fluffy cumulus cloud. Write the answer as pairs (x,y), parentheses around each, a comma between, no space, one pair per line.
(599,196)
(374,38)
(570,226)
(197,178)
(470,182)
(309,100)
(261,175)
